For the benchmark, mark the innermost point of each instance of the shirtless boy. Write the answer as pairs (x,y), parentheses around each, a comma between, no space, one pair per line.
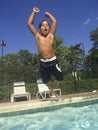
(44,38)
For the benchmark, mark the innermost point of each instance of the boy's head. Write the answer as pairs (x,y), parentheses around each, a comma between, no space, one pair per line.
(44,27)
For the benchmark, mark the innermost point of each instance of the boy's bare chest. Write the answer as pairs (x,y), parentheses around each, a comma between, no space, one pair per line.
(45,40)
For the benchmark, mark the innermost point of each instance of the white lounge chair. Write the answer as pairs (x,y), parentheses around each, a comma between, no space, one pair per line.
(20,91)
(44,91)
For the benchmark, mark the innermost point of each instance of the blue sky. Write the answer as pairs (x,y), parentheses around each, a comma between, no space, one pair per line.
(75,20)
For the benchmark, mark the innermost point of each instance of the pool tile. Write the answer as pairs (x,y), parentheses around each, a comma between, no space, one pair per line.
(44,106)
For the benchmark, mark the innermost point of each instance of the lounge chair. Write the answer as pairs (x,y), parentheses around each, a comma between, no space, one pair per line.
(20,91)
(45,92)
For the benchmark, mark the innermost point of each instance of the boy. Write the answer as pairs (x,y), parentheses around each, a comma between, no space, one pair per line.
(44,38)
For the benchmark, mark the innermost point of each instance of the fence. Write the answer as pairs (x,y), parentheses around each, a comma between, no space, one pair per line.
(84,78)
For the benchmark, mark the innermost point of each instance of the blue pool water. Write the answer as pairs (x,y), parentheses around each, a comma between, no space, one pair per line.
(66,118)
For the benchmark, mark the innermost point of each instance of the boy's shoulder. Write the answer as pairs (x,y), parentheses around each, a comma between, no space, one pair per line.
(37,35)
(51,35)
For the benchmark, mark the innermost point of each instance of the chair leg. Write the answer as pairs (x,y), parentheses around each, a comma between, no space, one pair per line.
(57,90)
(12,98)
(29,97)
(39,95)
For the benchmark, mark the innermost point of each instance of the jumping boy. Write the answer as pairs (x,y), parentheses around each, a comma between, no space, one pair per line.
(44,38)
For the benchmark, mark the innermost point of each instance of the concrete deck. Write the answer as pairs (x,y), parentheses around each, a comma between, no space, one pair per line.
(34,104)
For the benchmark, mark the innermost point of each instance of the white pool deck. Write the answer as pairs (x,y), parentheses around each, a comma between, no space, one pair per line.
(33,104)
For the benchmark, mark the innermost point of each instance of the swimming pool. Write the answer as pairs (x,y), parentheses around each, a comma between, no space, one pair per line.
(74,117)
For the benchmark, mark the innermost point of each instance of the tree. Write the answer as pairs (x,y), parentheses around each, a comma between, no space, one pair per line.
(60,51)
(92,57)
(11,59)
(93,52)
(24,57)
(94,37)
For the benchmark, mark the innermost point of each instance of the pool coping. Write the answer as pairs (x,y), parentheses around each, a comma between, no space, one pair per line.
(49,102)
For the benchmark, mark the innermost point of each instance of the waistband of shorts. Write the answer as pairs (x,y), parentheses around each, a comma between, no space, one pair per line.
(48,60)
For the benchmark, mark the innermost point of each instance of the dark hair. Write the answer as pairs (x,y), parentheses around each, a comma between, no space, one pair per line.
(40,24)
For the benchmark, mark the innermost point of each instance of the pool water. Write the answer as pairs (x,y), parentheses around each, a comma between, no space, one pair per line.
(66,118)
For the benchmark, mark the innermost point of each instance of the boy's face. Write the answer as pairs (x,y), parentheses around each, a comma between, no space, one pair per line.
(45,28)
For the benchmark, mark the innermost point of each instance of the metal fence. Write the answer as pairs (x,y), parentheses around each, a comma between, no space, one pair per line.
(77,79)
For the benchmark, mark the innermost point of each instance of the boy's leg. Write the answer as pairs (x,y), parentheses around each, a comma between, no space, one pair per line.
(57,72)
(45,74)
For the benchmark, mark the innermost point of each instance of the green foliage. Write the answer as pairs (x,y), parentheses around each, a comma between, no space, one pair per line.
(11,59)
(92,58)
(24,57)
(60,51)
(94,36)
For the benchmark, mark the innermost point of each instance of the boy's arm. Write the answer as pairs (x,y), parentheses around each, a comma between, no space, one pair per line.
(54,22)
(31,20)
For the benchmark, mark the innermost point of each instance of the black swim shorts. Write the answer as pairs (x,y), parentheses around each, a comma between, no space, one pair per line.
(50,67)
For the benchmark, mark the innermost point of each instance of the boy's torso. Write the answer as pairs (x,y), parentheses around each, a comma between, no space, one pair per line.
(45,46)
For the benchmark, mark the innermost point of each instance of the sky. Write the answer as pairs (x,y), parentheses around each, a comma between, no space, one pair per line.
(75,20)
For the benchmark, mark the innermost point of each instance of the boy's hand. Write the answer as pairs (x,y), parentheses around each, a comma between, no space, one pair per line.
(47,14)
(36,10)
